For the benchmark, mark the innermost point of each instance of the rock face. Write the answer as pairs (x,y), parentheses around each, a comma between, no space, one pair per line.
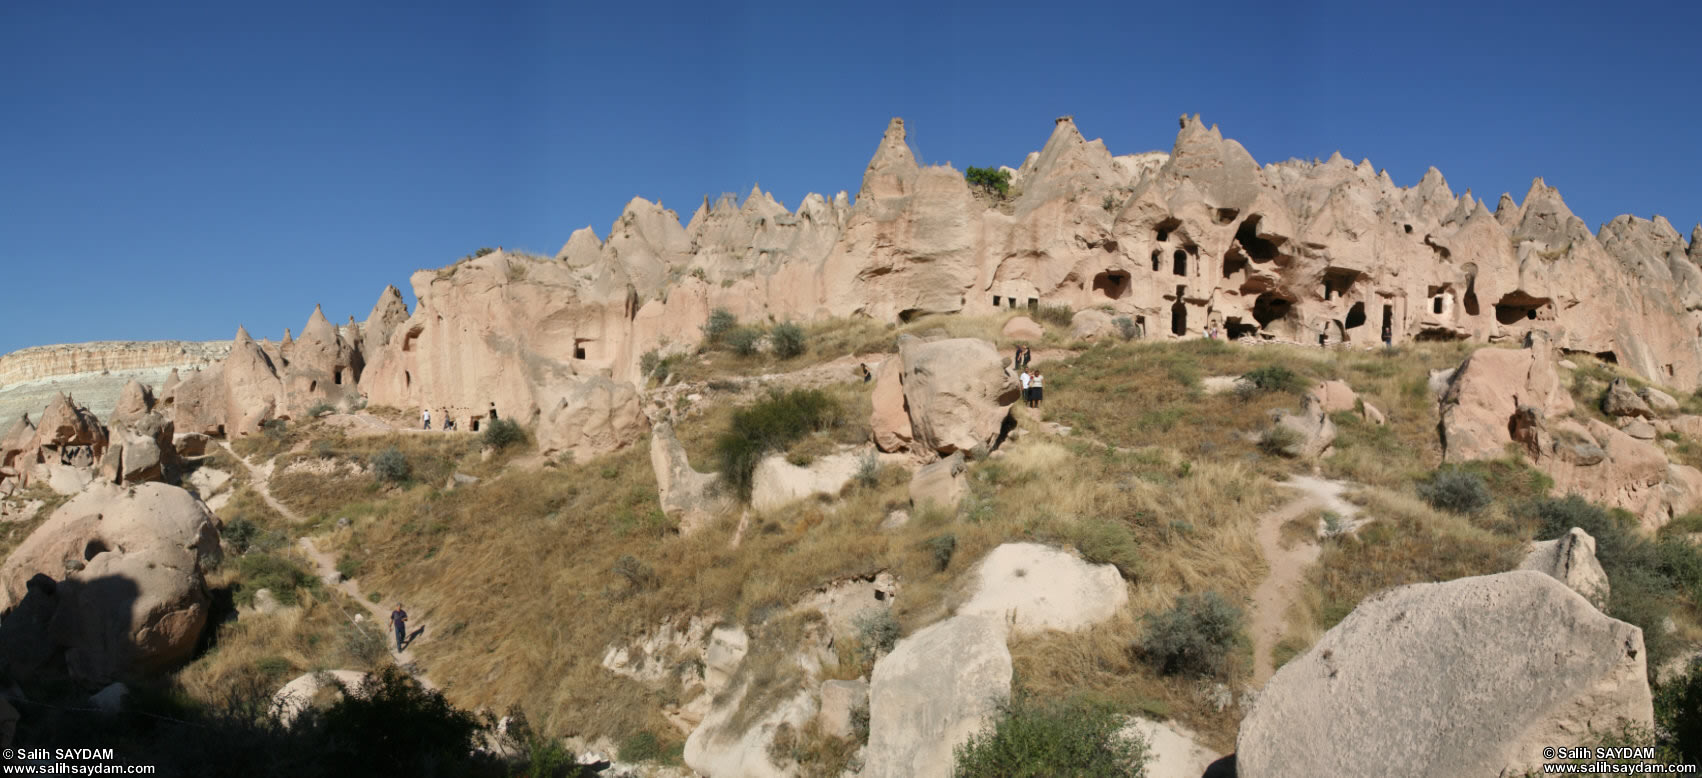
(1488,388)
(1621,400)
(1571,560)
(595,417)
(114,580)
(1035,588)
(1313,430)
(891,417)
(1401,682)
(840,700)
(937,687)
(940,483)
(958,393)
(687,496)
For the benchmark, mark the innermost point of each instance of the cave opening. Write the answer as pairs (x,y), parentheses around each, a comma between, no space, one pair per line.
(1515,307)
(1269,307)
(1355,316)
(1112,284)
(1258,248)
(1179,318)
(1179,262)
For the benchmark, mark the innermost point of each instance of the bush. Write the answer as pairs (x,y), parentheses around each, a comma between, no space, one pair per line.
(743,340)
(1195,637)
(1108,542)
(1456,490)
(721,321)
(1056,315)
(993,180)
(394,726)
(1279,440)
(390,465)
(639,576)
(1274,378)
(1678,717)
(788,340)
(502,433)
(877,633)
(1126,327)
(320,410)
(943,547)
(868,471)
(770,425)
(285,577)
(348,566)
(1030,740)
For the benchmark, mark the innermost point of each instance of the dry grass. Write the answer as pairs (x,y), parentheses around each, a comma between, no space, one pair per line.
(14,534)
(332,475)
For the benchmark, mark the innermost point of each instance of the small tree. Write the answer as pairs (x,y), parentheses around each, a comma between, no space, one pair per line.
(1456,490)
(788,340)
(993,180)
(502,433)
(743,340)
(721,321)
(1194,637)
(390,465)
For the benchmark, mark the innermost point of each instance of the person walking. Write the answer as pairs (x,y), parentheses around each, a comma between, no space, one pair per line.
(425,419)
(1026,381)
(1035,390)
(399,620)
(863,367)
(1027,356)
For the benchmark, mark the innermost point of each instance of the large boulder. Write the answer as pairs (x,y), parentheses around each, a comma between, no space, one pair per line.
(941,483)
(1622,400)
(114,579)
(890,417)
(959,392)
(1571,560)
(1023,328)
(1488,389)
(301,693)
(596,416)
(938,687)
(1035,588)
(1089,324)
(1660,403)
(1336,396)
(1469,677)
(1313,432)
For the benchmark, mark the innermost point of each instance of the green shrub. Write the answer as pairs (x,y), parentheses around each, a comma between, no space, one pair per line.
(640,747)
(1055,315)
(320,410)
(1126,327)
(993,180)
(239,533)
(868,471)
(390,465)
(1194,637)
(1456,490)
(285,577)
(770,425)
(743,340)
(1678,717)
(502,433)
(1279,440)
(1274,378)
(1108,542)
(877,633)
(721,321)
(788,340)
(943,547)
(1033,740)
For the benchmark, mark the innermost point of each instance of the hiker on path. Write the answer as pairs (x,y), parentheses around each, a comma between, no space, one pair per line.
(1026,381)
(1027,356)
(863,367)
(425,419)
(1035,390)
(399,618)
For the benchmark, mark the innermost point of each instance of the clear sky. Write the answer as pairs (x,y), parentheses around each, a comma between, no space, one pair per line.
(170,170)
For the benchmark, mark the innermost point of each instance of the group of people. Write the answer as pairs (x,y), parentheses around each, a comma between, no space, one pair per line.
(1032,382)
(448,421)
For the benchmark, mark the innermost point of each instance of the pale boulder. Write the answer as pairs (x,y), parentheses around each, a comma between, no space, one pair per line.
(1023,328)
(1401,682)
(938,687)
(1035,588)
(959,392)
(1313,432)
(778,482)
(295,697)
(1571,560)
(124,584)
(1621,400)
(941,483)
(1173,750)
(1487,390)
(890,418)
(595,416)
(1336,396)
(1089,324)
(1637,428)
(688,497)
(1661,404)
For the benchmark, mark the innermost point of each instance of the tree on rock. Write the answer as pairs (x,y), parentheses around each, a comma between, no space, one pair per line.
(994,180)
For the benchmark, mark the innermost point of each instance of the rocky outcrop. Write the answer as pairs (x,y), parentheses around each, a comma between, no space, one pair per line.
(1401,682)
(840,703)
(957,392)
(941,484)
(295,697)
(891,417)
(1023,328)
(1335,396)
(64,361)
(595,416)
(1036,588)
(1571,560)
(112,583)
(1488,388)
(778,482)
(688,497)
(1622,400)
(937,687)
(1310,432)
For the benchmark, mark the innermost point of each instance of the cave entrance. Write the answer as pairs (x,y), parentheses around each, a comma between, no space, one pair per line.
(413,335)
(1233,262)
(1164,228)
(1337,282)
(1518,306)
(996,299)
(1355,317)
(1236,329)
(1470,300)
(1179,318)
(1268,308)
(94,547)
(1179,262)
(475,424)
(1157,259)
(1258,248)
(1112,284)
(1388,323)
(337,376)
(579,348)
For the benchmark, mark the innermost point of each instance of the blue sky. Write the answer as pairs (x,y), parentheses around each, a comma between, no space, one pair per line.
(170,170)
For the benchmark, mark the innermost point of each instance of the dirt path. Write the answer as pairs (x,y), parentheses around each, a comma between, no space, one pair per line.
(1281,586)
(259,477)
(377,612)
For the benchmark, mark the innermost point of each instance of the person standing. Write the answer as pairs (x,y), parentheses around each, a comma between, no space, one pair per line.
(1026,381)
(1027,356)
(1016,363)
(1036,389)
(1388,337)
(399,620)
(425,419)
(863,367)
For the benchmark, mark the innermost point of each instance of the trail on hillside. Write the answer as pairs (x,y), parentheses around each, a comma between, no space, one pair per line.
(1280,588)
(259,477)
(327,569)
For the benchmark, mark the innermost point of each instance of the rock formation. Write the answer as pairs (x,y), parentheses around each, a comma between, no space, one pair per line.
(1571,560)
(956,396)
(112,583)
(1469,677)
